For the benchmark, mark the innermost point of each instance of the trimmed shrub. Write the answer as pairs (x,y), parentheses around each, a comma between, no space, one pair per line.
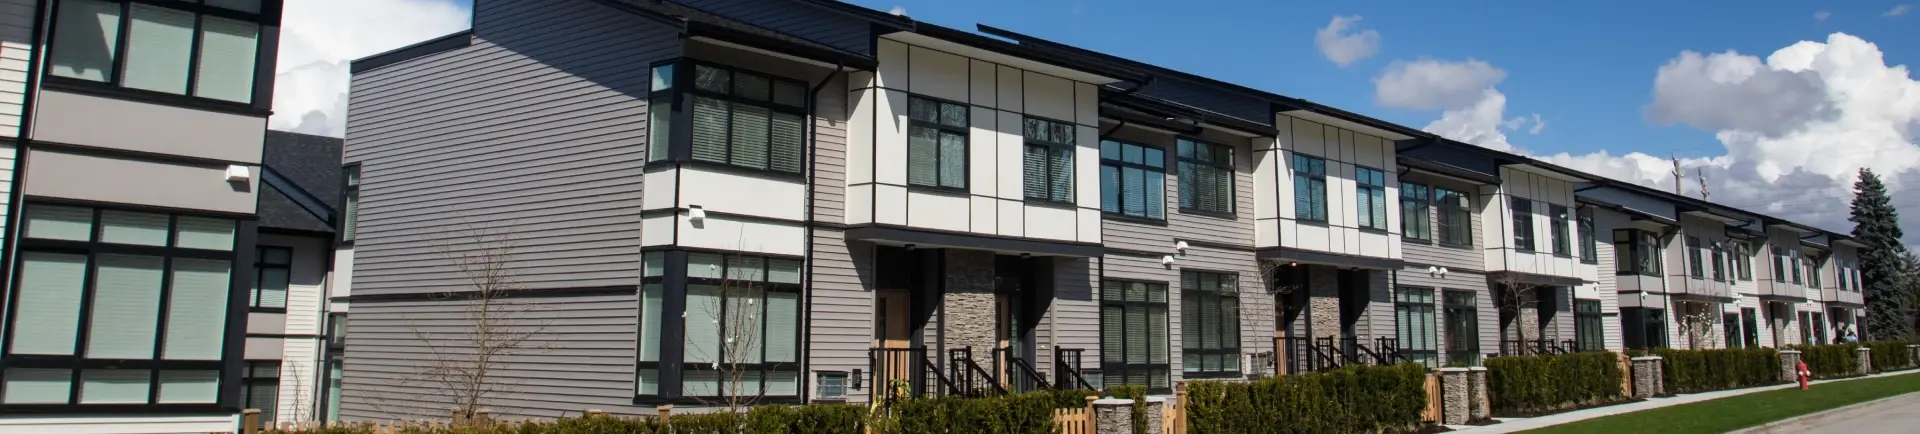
(1027,413)
(1349,399)
(1830,361)
(1694,371)
(1890,355)
(1535,384)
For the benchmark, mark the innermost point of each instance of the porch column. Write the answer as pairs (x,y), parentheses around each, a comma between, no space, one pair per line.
(968,305)
(1323,301)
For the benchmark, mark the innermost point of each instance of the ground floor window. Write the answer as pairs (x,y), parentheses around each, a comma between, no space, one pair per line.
(716,324)
(1806,328)
(1644,328)
(1210,324)
(1462,327)
(334,374)
(1413,310)
(1587,329)
(1819,327)
(1731,322)
(1750,323)
(1133,334)
(262,389)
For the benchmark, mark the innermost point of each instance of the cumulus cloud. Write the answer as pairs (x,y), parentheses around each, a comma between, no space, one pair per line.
(1343,43)
(1821,15)
(318,40)
(1898,11)
(1537,125)
(1427,84)
(898,10)
(1777,159)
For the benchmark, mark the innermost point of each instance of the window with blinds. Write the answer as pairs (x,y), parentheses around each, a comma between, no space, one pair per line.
(1416,212)
(1521,210)
(154,289)
(1206,177)
(272,271)
(1589,249)
(1462,327)
(1133,180)
(738,324)
(205,50)
(1414,312)
(1562,231)
(1455,220)
(1696,266)
(1209,324)
(742,119)
(936,143)
(1048,160)
(1370,197)
(1309,188)
(1134,335)
(262,389)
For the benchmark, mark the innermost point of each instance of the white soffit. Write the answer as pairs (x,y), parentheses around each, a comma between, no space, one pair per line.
(970,51)
(1343,123)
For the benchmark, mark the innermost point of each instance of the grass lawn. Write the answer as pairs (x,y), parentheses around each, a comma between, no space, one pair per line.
(1744,411)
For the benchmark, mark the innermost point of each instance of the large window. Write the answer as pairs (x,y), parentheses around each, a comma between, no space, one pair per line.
(1416,220)
(1133,334)
(1462,327)
(1413,310)
(262,389)
(1750,325)
(176,47)
(1522,211)
(1309,188)
(1643,328)
(737,326)
(1049,160)
(1744,257)
(1456,221)
(1730,324)
(1589,248)
(1210,324)
(1719,263)
(1780,264)
(1562,234)
(1133,180)
(1696,267)
(936,143)
(272,267)
(1587,330)
(1636,252)
(118,307)
(1206,177)
(744,119)
(1370,197)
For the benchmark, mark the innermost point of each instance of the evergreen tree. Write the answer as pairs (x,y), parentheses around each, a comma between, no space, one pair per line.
(1877,224)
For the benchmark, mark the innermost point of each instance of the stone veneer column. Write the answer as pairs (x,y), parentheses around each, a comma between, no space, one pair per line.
(1156,415)
(1789,365)
(1323,302)
(1647,377)
(1478,406)
(1113,416)
(1913,356)
(1865,357)
(968,307)
(1456,408)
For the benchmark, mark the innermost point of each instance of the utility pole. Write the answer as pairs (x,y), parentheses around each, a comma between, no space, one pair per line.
(1677,175)
(1702,171)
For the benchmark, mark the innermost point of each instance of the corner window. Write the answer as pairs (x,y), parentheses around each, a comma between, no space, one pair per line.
(272,271)
(1048,161)
(936,143)
(1133,334)
(1696,267)
(1636,252)
(728,325)
(1206,177)
(155,288)
(746,120)
(1416,220)
(350,216)
(1133,180)
(1562,238)
(182,48)
(1413,310)
(1522,211)
(1370,197)
(1309,188)
(1210,323)
(1589,249)
(1456,221)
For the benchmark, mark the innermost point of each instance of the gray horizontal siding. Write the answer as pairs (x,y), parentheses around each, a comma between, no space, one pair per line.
(535,135)
(790,17)
(583,357)
(1074,319)
(840,306)
(1235,231)
(1430,252)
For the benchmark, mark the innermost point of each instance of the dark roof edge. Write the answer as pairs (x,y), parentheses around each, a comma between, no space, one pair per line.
(862,12)
(1161,106)
(1020,50)
(456,40)
(844,58)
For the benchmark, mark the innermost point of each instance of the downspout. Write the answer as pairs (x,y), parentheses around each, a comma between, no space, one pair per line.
(813,165)
(20,157)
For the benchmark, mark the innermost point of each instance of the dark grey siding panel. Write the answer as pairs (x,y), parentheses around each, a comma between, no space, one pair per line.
(840,305)
(535,133)
(840,31)
(1213,99)
(1430,252)
(1256,308)
(1418,277)
(583,358)
(1379,317)
(1074,319)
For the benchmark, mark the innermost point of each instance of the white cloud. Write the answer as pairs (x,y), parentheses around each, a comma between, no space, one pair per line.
(1796,167)
(319,38)
(898,10)
(1343,46)
(1898,11)
(1822,15)
(1428,84)
(1538,125)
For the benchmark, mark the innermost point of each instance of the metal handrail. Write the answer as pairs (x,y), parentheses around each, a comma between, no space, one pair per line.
(1022,376)
(970,374)
(1067,375)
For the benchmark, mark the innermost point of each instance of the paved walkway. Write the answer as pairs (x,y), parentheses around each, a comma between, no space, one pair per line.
(1896,414)
(1522,424)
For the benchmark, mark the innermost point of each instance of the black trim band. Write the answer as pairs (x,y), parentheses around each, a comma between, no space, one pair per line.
(938,238)
(525,293)
(1323,258)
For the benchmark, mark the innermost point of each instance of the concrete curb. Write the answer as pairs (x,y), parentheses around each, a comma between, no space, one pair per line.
(1809,416)
(1524,424)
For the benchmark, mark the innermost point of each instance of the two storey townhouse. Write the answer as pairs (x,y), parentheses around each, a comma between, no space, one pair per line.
(136,167)
(292,353)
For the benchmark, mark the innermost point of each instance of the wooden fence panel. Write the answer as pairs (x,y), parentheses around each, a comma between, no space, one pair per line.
(1435,399)
(1073,421)
(1626,380)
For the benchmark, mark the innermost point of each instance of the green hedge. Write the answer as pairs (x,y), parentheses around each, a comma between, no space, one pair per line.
(1533,384)
(1891,355)
(1831,361)
(1349,399)
(1694,371)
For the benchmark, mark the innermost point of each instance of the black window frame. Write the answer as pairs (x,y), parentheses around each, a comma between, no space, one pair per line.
(78,362)
(1743,254)
(266,48)
(1814,265)
(1588,325)
(1642,253)
(940,130)
(1191,167)
(1112,370)
(1408,304)
(1560,230)
(348,226)
(255,373)
(1455,217)
(1147,169)
(1696,261)
(683,92)
(1460,344)
(1644,328)
(1718,261)
(673,364)
(1521,210)
(1750,326)
(1053,148)
(1589,247)
(1197,295)
(1366,193)
(1730,325)
(1416,212)
(260,264)
(1311,180)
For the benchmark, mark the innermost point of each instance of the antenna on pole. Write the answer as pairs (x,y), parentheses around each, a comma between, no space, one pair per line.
(1678,189)
(1702,172)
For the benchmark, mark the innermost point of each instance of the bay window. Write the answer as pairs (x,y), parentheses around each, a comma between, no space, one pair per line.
(1133,334)
(1636,252)
(1133,180)
(1210,324)
(1370,197)
(718,325)
(1048,162)
(202,49)
(716,115)
(1206,177)
(1309,188)
(119,307)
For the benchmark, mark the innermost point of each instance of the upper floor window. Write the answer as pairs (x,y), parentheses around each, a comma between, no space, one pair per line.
(1562,235)
(1636,252)
(1133,180)
(1719,263)
(1813,271)
(1522,224)
(1210,323)
(1309,188)
(1744,258)
(1370,197)
(1780,264)
(1049,160)
(936,143)
(1795,259)
(1206,177)
(350,216)
(1415,219)
(1589,249)
(1856,278)
(1456,219)
(177,47)
(745,119)
(1696,267)
(272,268)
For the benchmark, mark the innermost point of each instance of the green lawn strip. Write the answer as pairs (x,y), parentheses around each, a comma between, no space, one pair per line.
(1744,411)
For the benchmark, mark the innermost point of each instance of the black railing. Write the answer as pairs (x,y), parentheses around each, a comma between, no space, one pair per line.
(906,372)
(1315,354)
(1019,375)
(1537,347)
(1389,352)
(1067,369)
(968,376)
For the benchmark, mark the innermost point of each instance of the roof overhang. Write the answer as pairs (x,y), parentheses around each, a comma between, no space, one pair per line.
(1850,242)
(925,238)
(1547,170)
(1010,54)
(1156,110)
(1715,214)
(1791,226)
(1283,254)
(866,64)
(1435,168)
(1349,122)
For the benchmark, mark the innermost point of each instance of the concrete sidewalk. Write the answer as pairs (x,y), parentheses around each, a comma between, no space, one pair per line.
(1523,424)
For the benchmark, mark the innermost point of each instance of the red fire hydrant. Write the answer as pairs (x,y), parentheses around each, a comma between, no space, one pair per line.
(1802,370)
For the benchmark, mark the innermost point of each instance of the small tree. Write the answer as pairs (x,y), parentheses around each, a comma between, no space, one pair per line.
(1258,316)
(1699,321)
(735,309)
(464,363)
(1516,298)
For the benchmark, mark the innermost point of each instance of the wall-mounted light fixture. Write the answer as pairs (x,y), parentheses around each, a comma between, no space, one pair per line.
(1181,246)
(1166,260)
(695,213)
(238,173)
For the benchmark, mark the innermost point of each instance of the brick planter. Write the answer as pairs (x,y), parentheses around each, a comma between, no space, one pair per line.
(1455,408)
(1647,378)
(1789,361)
